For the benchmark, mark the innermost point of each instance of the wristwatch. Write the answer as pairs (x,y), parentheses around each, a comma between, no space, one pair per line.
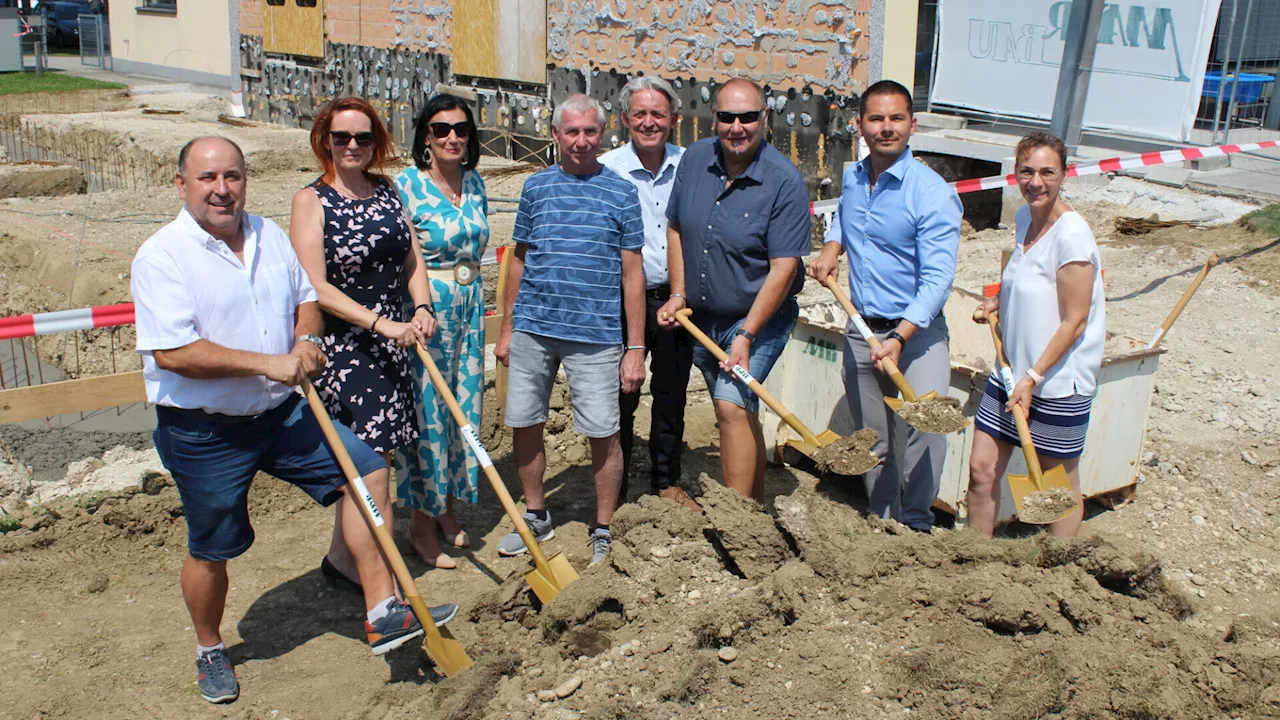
(313,339)
(895,335)
(750,336)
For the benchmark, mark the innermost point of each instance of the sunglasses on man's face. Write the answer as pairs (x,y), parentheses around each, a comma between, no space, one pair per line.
(746,118)
(442,129)
(343,139)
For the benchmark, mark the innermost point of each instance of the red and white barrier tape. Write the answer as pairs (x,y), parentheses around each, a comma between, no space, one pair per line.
(1114,164)
(23,326)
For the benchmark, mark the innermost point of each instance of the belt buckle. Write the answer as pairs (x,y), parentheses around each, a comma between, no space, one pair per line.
(464,274)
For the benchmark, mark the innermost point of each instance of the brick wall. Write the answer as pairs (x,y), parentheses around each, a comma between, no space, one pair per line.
(250,17)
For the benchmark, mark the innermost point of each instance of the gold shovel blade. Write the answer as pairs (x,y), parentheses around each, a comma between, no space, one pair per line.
(1023,485)
(550,581)
(443,650)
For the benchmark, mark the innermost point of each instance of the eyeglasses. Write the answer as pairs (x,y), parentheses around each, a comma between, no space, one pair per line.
(746,118)
(343,139)
(442,129)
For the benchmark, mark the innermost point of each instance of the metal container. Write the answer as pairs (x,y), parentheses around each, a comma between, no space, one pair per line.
(808,380)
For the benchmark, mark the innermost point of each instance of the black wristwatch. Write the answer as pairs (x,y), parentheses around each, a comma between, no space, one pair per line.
(750,336)
(895,335)
(425,306)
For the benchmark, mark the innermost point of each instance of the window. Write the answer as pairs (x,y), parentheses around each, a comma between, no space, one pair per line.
(158,6)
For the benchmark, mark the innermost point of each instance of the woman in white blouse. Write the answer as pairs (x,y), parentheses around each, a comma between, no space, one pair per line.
(1052,321)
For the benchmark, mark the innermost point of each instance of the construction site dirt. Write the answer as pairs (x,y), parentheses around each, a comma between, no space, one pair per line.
(1166,607)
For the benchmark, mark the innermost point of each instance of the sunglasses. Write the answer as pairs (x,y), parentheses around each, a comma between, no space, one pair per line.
(442,129)
(343,139)
(746,118)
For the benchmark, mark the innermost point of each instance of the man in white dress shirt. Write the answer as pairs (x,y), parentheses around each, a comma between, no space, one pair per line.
(227,325)
(650,109)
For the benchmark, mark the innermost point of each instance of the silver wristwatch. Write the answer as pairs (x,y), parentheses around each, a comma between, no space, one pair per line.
(313,339)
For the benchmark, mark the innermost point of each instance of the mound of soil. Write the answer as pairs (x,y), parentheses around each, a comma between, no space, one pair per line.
(849,455)
(940,415)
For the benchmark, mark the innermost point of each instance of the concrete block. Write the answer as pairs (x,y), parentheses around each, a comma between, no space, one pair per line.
(1210,163)
(1169,175)
(940,121)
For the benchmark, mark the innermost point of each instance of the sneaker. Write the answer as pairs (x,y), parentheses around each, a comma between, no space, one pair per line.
(676,494)
(396,628)
(512,544)
(601,539)
(216,678)
(442,614)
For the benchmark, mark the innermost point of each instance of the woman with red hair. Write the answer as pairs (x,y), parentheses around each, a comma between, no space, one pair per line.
(358,248)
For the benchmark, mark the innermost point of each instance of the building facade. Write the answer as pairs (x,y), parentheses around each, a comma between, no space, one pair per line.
(514,59)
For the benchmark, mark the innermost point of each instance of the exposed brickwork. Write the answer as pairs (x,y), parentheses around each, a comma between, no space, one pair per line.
(251,17)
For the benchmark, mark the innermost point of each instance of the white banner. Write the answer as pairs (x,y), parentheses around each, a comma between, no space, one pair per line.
(1002,56)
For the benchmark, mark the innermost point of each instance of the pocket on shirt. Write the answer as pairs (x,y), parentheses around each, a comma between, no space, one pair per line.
(281,293)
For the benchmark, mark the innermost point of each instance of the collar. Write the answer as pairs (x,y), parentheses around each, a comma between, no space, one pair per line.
(752,171)
(897,170)
(202,236)
(631,160)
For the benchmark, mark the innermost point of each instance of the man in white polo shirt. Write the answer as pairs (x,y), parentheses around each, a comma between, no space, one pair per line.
(227,325)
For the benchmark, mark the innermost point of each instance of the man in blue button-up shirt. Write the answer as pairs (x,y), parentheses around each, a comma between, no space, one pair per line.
(650,109)
(899,222)
(739,225)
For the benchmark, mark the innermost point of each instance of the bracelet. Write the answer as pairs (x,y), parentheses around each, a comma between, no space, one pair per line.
(635,347)
(679,295)
(425,306)
(1036,377)
(374,326)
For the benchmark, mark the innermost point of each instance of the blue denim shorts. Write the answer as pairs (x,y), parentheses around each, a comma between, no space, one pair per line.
(213,462)
(765,351)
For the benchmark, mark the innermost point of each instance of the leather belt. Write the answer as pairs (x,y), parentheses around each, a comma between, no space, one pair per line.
(219,418)
(662,292)
(463,272)
(882,324)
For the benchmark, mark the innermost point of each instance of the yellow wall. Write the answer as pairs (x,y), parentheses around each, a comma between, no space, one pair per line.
(899,61)
(196,39)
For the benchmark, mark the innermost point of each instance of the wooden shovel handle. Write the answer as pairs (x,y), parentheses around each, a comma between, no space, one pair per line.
(381,532)
(1186,298)
(890,367)
(499,489)
(790,419)
(1019,416)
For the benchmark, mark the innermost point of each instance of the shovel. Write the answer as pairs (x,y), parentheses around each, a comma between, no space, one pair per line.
(443,650)
(1041,492)
(1182,302)
(809,444)
(549,577)
(953,421)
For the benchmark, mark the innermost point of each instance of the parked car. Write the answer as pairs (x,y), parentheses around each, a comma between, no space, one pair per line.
(62,21)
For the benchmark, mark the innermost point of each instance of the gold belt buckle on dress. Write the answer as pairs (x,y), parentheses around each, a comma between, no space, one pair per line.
(465,273)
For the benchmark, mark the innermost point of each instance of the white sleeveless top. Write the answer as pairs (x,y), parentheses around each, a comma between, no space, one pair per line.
(1029,306)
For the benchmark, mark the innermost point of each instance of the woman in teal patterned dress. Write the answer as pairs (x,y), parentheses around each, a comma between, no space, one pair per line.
(445,198)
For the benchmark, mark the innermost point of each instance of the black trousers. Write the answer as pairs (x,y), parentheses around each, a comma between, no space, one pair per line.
(670,360)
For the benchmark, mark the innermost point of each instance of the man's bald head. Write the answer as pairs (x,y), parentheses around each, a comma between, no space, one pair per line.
(197,144)
(738,85)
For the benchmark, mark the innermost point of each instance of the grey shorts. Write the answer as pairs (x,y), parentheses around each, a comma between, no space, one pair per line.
(593,382)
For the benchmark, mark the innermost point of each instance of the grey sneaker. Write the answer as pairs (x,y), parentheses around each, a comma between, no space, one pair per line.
(216,678)
(601,539)
(511,543)
(441,614)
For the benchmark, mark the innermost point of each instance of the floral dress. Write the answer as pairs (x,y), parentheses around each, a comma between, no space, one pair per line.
(367,384)
(440,465)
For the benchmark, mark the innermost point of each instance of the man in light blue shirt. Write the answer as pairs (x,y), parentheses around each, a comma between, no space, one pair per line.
(650,109)
(899,222)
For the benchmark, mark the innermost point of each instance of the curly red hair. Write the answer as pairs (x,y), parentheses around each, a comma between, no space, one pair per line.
(383,147)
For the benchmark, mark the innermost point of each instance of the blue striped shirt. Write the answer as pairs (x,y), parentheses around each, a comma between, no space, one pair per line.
(576,227)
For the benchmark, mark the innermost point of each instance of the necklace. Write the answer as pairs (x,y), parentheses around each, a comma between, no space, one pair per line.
(444,186)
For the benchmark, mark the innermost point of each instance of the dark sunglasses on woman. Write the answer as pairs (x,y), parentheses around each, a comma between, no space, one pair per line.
(442,129)
(343,139)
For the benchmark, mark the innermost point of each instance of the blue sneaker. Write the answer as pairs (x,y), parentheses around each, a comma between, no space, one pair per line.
(512,544)
(216,678)
(394,629)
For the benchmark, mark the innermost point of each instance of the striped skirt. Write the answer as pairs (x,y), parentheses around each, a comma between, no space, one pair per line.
(1058,425)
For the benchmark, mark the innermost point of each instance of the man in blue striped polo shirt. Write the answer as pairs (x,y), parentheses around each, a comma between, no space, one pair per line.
(577,266)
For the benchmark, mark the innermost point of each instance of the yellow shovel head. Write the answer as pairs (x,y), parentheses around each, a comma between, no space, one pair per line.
(1046,506)
(549,581)
(443,650)
(824,438)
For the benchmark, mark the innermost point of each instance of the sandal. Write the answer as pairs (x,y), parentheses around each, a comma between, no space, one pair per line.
(335,577)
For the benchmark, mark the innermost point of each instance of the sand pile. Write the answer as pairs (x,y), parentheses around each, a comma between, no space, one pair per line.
(819,612)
